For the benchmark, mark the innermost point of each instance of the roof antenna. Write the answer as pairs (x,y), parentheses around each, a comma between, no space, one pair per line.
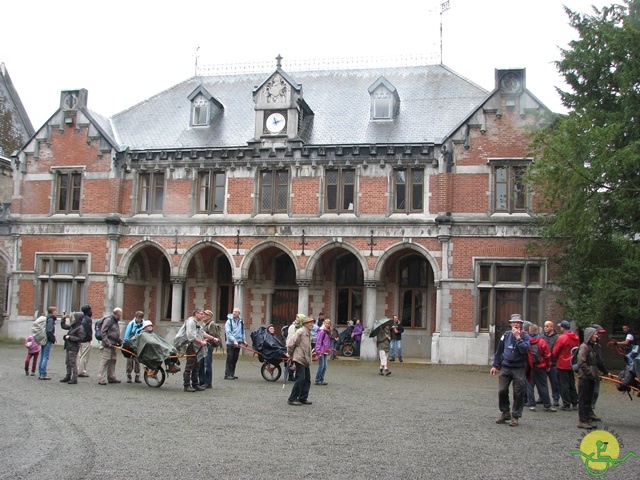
(197,56)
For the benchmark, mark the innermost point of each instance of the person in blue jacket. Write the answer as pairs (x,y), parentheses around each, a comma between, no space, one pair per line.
(510,360)
(234,331)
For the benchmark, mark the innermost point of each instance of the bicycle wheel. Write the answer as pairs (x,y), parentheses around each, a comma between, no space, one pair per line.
(347,350)
(270,372)
(154,378)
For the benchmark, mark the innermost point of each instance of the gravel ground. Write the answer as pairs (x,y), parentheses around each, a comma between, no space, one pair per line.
(423,421)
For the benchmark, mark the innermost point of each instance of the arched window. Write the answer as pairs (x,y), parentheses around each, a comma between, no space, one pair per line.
(413,281)
(349,292)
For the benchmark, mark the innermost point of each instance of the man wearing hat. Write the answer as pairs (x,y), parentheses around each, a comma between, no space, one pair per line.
(566,379)
(510,360)
(299,351)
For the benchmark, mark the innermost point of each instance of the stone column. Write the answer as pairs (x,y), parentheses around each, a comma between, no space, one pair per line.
(238,295)
(303,296)
(368,350)
(176,298)
(120,291)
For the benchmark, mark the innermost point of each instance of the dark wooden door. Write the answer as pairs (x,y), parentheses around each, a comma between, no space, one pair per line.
(284,308)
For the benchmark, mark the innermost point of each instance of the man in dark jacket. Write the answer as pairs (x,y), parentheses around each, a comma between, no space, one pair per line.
(110,333)
(395,346)
(72,342)
(589,362)
(85,346)
(50,330)
(510,360)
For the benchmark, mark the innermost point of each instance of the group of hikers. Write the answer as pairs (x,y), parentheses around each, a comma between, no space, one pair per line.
(529,361)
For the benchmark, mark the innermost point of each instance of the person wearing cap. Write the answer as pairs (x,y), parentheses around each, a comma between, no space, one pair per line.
(566,378)
(206,367)
(510,360)
(85,346)
(299,351)
(133,328)
(234,331)
(551,336)
(589,362)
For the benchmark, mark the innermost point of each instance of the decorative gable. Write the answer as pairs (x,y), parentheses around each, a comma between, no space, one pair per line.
(385,100)
(204,107)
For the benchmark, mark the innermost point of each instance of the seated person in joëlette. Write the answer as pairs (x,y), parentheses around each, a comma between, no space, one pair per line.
(152,350)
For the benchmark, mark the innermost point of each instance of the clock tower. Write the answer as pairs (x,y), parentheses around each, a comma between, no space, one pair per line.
(279,108)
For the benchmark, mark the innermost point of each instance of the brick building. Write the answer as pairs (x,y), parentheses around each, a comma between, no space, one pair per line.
(361,193)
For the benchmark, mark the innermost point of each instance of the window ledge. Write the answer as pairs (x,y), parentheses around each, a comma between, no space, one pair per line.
(515,214)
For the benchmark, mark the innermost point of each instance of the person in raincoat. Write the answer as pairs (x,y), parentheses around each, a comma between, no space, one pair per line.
(153,350)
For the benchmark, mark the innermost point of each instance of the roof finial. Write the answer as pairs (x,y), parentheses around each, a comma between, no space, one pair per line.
(279,61)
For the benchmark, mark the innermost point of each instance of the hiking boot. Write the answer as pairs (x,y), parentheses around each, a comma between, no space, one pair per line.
(200,388)
(595,419)
(114,380)
(400,359)
(33,374)
(565,408)
(550,409)
(392,359)
(556,404)
(26,372)
(189,389)
(137,380)
(514,422)
(83,375)
(306,402)
(504,417)
(586,425)
(65,379)
(387,372)
(128,378)
(381,372)
(575,406)
(72,382)
(44,378)
(294,402)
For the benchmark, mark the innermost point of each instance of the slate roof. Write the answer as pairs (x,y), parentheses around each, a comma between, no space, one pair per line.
(433,100)
(8,90)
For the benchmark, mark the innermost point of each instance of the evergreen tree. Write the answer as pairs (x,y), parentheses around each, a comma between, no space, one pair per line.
(587,168)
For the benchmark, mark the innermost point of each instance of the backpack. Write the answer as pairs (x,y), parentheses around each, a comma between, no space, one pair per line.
(39,330)
(535,353)
(88,329)
(627,379)
(97,328)
(180,339)
(574,358)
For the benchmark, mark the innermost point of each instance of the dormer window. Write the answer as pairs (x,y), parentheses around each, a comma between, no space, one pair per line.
(382,106)
(200,111)
(384,100)
(204,107)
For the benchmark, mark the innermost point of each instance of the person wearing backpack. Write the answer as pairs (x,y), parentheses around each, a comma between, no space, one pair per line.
(510,361)
(589,362)
(234,332)
(566,378)
(133,328)
(46,348)
(551,336)
(85,346)
(540,360)
(110,333)
(33,350)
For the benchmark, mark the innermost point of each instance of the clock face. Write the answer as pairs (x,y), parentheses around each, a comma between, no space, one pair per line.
(276,122)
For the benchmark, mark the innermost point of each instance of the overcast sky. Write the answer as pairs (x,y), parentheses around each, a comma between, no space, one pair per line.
(123,52)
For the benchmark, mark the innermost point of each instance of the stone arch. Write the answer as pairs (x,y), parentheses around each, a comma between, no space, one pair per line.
(123,268)
(192,251)
(379,268)
(317,255)
(255,251)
